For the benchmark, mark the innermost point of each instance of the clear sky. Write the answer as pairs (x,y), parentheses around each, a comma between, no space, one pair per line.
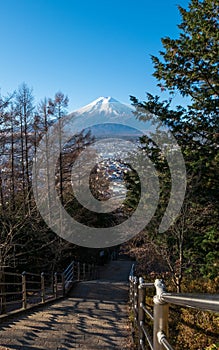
(85,48)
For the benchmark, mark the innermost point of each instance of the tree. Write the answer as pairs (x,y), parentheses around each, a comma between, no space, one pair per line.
(189,65)
(5,132)
(42,122)
(57,108)
(24,110)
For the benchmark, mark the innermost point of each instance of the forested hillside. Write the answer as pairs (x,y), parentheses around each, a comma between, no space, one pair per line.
(187,66)
(26,242)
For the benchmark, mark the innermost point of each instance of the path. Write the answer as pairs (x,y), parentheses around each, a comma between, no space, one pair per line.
(94,316)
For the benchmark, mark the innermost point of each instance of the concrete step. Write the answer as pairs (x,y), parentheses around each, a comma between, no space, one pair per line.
(94,316)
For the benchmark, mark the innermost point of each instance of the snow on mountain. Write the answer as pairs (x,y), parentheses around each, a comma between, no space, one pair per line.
(107,110)
(106,107)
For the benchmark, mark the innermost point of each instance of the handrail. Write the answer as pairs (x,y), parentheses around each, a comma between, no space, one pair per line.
(131,274)
(161,301)
(206,302)
(21,291)
(68,267)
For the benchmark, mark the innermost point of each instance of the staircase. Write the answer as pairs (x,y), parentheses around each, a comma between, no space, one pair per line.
(94,315)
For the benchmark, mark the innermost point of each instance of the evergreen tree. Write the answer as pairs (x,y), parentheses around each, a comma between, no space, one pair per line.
(189,65)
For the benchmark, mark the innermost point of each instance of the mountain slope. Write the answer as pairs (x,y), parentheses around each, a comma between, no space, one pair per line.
(106,107)
(99,114)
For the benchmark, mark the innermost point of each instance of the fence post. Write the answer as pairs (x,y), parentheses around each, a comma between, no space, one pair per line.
(161,310)
(24,291)
(94,271)
(55,285)
(2,290)
(131,291)
(79,275)
(52,284)
(136,299)
(42,287)
(141,313)
(84,271)
(63,284)
(73,271)
(89,271)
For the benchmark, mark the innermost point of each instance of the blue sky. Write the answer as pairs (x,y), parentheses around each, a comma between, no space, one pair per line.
(84,48)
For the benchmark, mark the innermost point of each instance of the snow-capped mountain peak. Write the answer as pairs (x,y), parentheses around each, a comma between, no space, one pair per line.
(106,110)
(105,106)
(102,99)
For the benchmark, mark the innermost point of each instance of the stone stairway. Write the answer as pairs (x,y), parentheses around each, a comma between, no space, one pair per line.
(93,316)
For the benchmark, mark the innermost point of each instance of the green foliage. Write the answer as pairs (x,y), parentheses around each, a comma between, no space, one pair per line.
(189,65)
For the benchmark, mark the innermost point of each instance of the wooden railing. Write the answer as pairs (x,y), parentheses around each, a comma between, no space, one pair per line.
(22,291)
(159,339)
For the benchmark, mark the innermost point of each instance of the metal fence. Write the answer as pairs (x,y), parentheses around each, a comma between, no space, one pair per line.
(21,291)
(159,340)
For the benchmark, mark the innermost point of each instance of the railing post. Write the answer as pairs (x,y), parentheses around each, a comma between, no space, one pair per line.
(24,291)
(42,287)
(131,292)
(141,313)
(93,271)
(63,284)
(84,271)
(55,285)
(89,271)
(161,310)
(136,299)
(79,275)
(73,272)
(2,290)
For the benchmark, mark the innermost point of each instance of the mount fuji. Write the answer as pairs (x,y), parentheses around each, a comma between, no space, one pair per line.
(106,107)
(107,117)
